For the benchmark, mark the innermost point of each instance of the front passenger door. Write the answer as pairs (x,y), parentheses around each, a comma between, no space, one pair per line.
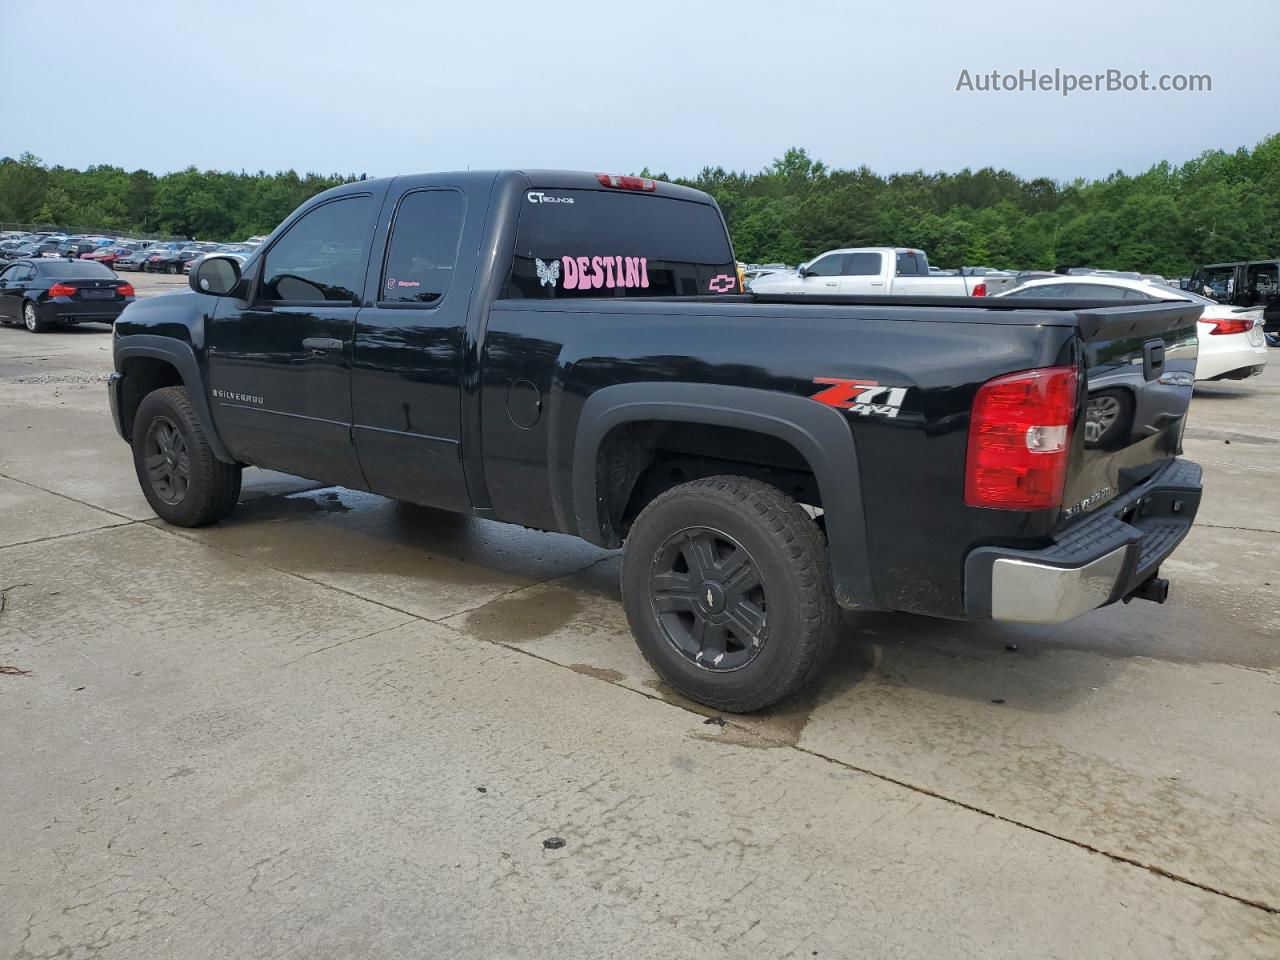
(8,275)
(280,362)
(822,277)
(15,279)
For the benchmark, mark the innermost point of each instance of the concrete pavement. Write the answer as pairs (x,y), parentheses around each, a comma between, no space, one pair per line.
(334,726)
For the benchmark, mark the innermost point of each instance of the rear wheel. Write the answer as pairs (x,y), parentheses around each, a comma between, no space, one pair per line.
(181,478)
(1107,416)
(31,319)
(727,589)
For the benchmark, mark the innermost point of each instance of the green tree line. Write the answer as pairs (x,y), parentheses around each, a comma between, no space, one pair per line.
(1169,219)
(208,204)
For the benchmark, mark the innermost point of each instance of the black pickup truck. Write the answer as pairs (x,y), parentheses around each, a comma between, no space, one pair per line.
(571,352)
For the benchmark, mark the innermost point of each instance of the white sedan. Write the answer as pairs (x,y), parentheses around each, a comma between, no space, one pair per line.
(1232,344)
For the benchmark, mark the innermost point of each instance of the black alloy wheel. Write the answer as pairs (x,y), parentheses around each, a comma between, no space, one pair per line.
(708,596)
(728,591)
(167,460)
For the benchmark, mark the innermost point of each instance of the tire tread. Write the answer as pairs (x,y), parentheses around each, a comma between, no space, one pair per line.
(218,486)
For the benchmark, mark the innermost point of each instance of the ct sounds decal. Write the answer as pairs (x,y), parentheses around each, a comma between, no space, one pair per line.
(866,397)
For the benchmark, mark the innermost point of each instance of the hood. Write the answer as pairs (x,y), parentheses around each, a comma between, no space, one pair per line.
(782,278)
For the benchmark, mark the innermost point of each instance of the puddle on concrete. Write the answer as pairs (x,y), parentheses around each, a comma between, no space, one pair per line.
(328,500)
(783,725)
(599,673)
(525,616)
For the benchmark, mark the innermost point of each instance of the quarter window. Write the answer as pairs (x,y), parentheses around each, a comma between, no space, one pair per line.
(911,265)
(1104,291)
(424,247)
(322,256)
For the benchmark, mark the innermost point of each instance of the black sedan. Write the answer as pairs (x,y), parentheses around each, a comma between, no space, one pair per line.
(33,248)
(170,261)
(45,292)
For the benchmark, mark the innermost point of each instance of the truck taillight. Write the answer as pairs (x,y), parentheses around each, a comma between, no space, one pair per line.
(627,183)
(1019,434)
(62,290)
(1223,325)
(979,290)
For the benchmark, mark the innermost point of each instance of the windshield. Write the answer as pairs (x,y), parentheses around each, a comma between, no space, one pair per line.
(606,243)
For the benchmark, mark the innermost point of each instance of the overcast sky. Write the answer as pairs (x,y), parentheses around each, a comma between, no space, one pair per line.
(395,86)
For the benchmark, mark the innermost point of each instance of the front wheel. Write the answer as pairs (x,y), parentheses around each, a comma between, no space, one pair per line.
(727,588)
(171,269)
(181,478)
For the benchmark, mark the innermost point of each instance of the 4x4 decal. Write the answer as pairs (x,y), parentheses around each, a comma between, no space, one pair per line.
(865,397)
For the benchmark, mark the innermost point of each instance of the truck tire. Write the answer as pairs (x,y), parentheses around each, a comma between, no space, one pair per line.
(727,588)
(183,481)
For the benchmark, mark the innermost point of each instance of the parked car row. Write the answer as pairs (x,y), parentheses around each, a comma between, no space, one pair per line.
(50,279)
(158,256)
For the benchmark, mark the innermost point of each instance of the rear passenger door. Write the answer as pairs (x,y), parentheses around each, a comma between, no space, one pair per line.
(407,372)
(863,274)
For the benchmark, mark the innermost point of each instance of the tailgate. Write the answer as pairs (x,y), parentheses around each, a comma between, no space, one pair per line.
(1139,365)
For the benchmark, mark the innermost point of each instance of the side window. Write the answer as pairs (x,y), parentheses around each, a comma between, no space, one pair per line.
(424,247)
(10,273)
(863,265)
(829,266)
(1264,283)
(1103,291)
(322,256)
(1050,291)
(1215,284)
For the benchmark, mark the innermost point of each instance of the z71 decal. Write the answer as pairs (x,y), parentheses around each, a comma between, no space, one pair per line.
(866,397)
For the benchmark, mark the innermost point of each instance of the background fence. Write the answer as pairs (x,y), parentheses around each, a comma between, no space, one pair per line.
(82,231)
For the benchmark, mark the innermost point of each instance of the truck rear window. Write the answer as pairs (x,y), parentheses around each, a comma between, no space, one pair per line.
(605,243)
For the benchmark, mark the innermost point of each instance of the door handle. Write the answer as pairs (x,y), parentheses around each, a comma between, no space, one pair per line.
(877,283)
(1152,359)
(321,344)
(831,283)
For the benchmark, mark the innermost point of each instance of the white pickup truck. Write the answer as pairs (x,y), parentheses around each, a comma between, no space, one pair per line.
(859,271)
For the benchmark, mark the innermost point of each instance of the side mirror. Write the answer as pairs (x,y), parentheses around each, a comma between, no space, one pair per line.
(802,272)
(216,276)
